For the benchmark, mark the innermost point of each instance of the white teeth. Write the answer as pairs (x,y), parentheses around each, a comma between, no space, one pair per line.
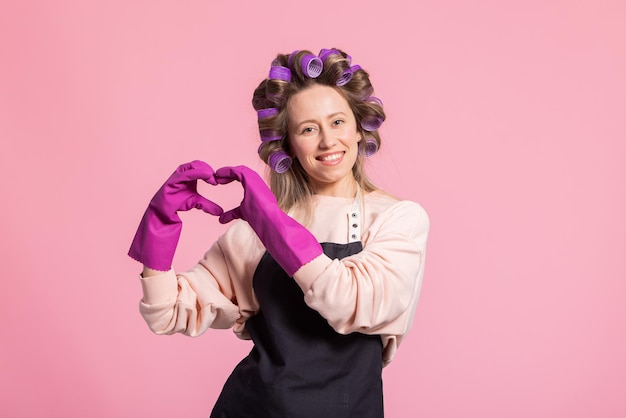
(332,157)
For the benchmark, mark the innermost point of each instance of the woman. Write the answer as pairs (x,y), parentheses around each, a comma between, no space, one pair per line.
(324,318)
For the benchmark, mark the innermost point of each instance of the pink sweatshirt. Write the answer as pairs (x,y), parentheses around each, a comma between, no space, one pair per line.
(372,292)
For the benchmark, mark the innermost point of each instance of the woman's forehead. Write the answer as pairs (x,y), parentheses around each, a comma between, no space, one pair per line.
(316,101)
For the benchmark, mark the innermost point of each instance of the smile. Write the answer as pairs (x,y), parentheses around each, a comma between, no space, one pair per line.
(330,157)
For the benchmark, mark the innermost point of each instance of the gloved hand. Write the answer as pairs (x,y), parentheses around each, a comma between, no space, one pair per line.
(158,233)
(290,243)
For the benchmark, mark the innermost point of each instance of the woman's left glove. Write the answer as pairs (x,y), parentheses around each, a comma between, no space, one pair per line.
(156,238)
(291,244)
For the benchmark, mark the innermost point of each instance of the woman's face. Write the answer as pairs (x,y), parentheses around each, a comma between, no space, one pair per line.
(323,136)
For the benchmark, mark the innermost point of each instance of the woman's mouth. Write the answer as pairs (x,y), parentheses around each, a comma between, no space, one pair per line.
(330,158)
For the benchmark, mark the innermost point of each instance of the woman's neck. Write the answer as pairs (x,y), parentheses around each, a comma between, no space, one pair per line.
(345,188)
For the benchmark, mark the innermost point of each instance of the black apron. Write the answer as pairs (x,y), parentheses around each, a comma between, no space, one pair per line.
(299,366)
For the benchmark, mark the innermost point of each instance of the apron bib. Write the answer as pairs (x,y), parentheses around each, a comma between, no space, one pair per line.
(300,367)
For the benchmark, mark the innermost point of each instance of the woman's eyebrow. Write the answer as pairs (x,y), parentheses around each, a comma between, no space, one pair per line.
(332,115)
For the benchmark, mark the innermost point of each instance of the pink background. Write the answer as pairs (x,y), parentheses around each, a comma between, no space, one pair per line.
(506,120)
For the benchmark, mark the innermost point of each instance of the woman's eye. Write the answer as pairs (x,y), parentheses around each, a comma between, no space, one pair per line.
(307,130)
(338,122)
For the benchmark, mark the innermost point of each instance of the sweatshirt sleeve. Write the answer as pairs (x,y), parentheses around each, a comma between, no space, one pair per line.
(216,293)
(376,290)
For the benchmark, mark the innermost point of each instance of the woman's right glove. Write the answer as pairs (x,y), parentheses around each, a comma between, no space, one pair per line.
(158,233)
(290,243)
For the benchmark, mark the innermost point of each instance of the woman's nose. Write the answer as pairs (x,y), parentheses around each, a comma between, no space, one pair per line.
(327,140)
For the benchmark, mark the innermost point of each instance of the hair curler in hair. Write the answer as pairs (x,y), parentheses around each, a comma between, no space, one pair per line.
(278,72)
(291,57)
(270,135)
(369,147)
(279,161)
(374,99)
(324,53)
(311,65)
(344,78)
(346,75)
(267,113)
(371,123)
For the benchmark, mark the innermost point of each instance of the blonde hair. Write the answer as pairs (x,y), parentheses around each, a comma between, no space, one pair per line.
(292,188)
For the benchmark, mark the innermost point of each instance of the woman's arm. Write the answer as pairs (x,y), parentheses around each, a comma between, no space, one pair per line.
(376,290)
(148,272)
(216,293)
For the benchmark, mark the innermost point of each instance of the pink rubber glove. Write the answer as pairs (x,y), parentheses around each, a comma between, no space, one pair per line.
(290,243)
(158,233)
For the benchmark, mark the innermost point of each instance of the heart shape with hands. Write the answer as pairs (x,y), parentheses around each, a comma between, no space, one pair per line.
(155,241)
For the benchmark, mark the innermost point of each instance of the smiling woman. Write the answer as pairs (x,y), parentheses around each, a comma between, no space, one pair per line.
(279,103)
(324,271)
(324,139)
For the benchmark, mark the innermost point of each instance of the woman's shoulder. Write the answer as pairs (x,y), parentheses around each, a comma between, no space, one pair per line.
(381,201)
(390,212)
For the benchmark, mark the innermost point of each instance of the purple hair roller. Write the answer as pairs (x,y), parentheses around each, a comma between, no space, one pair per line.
(373,99)
(324,53)
(278,72)
(266,113)
(292,56)
(371,123)
(270,135)
(355,68)
(279,161)
(345,78)
(311,65)
(370,147)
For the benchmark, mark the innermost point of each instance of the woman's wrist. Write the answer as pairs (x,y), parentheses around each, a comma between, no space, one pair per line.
(148,272)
